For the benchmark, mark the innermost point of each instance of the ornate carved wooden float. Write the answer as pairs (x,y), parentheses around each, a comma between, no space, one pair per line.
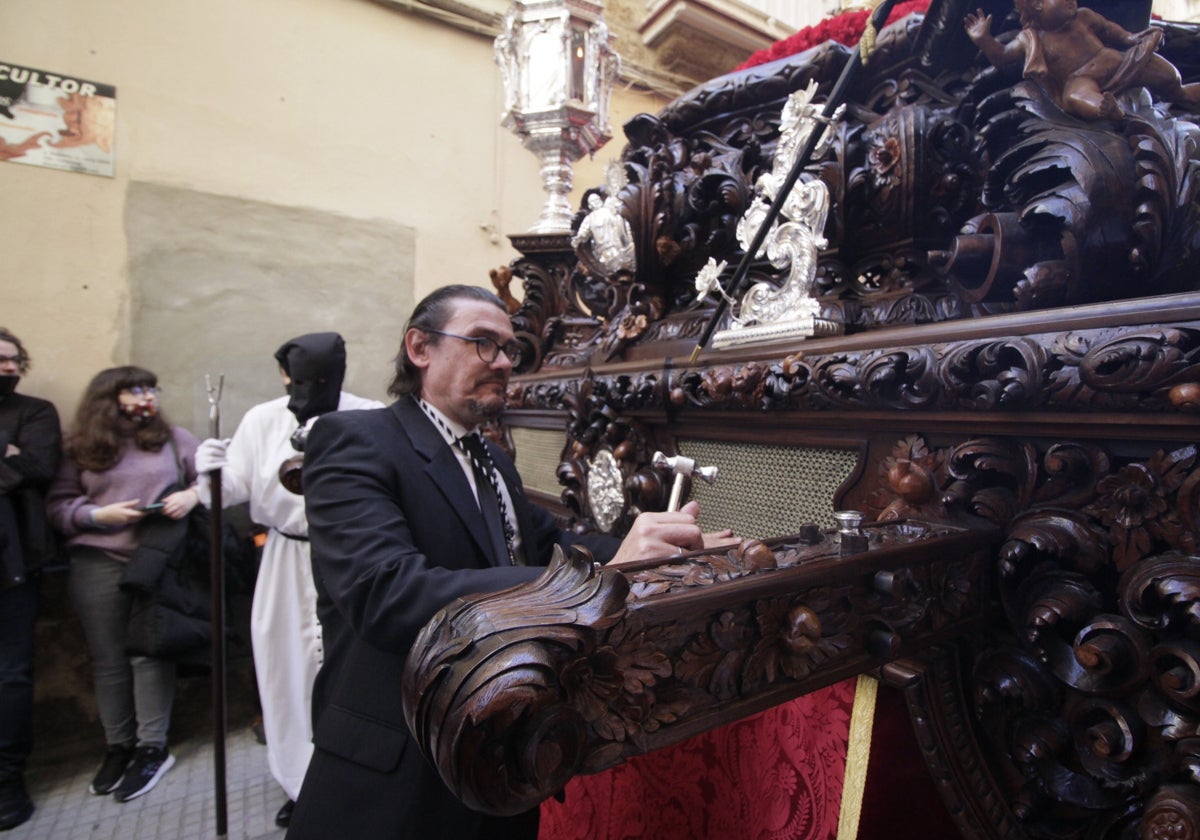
(518,691)
(1017,382)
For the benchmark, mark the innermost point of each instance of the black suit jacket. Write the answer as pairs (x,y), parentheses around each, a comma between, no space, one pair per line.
(27,542)
(396,535)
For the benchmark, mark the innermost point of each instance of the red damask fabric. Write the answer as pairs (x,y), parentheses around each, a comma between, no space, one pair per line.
(776,776)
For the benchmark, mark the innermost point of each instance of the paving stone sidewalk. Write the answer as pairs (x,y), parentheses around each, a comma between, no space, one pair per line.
(181,807)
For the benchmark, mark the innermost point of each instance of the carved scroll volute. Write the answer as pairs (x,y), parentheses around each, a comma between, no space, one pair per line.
(1163,593)
(544,301)
(1065,538)
(512,706)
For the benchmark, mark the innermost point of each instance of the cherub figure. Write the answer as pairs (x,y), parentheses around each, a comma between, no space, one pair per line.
(1082,59)
(502,278)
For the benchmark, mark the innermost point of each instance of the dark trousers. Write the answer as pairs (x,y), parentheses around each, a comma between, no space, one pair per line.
(18,613)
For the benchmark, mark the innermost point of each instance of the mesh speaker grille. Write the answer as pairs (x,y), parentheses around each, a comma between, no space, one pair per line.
(538,454)
(767,491)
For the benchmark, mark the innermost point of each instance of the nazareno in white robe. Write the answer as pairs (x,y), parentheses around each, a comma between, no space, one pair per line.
(284,630)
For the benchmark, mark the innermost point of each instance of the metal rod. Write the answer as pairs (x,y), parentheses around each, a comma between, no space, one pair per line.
(836,97)
(217,578)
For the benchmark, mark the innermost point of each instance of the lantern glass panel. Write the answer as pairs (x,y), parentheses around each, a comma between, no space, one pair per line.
(546,70)
(579,65)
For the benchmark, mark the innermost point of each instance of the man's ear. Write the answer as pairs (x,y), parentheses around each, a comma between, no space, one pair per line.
(416,343)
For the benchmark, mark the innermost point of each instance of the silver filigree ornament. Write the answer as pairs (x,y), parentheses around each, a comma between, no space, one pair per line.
(606,497)
(767,311)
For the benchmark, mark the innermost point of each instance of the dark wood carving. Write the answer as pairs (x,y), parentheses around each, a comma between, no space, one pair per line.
(1079,627)
(956,191)
(588,666)
(1020,291)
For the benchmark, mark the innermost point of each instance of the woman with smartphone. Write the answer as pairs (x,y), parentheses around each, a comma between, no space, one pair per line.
(121,462)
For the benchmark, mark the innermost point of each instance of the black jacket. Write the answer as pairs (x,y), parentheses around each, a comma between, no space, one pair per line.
(170,573)
(27,542)
(396,535)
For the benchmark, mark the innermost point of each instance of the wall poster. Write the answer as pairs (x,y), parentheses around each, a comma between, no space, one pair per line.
(61,122)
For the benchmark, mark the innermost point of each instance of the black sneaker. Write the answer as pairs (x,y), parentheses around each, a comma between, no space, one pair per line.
(116,759)
(148,766)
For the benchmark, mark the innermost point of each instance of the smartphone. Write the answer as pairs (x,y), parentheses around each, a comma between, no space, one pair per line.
(151,508)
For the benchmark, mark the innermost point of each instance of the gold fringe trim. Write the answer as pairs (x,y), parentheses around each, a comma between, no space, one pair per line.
(858,757)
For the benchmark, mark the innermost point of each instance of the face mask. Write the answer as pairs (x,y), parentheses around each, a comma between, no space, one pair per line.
(139,413)
(8,384)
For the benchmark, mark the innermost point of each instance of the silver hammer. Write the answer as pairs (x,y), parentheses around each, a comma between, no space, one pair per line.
(681,467)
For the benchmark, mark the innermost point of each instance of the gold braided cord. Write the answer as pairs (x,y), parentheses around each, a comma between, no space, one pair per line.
(866,44)
(858,757)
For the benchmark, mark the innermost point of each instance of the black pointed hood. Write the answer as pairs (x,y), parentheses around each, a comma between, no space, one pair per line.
(316,364)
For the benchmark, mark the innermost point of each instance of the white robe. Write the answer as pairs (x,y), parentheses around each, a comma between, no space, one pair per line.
(284,630)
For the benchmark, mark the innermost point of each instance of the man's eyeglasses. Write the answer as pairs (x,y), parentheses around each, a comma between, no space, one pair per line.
(16,360)
(488,348)
(144,391)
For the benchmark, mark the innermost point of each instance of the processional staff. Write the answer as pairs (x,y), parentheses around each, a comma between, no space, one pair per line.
(217,572)
(866,46)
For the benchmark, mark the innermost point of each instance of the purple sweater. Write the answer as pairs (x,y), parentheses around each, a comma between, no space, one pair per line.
(138,474)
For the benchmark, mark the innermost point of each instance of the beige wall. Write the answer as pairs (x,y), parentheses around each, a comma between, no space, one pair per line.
(1183,10)
(337,106)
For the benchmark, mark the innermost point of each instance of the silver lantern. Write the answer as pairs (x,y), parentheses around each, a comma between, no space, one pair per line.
(558,66)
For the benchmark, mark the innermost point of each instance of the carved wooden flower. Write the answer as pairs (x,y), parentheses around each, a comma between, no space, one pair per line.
(615,687)
(957,589)
(632,325)
(1135,504)
(592,683)
(1135,495)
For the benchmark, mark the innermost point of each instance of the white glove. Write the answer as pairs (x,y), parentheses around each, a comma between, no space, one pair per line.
(212,454)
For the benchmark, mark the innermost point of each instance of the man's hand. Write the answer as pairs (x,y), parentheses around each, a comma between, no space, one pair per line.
(664,534)
(718,539)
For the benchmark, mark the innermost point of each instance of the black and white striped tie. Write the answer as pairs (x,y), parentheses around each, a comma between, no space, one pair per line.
(491,499)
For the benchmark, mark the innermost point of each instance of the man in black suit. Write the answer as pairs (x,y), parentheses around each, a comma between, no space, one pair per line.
(30,446)
(397,533)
